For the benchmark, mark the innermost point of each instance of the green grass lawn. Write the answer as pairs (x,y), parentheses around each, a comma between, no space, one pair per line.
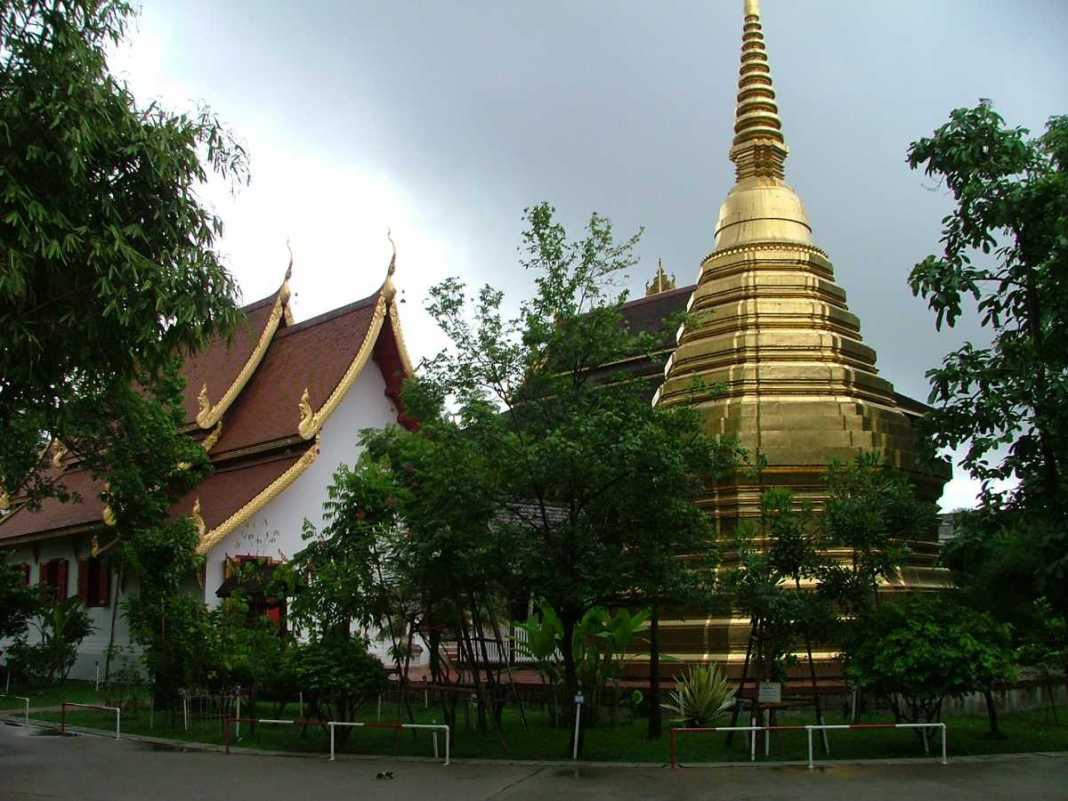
(624,742)
(81,692)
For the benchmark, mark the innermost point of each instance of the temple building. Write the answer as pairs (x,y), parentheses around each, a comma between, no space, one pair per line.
(277,406)
(777,356)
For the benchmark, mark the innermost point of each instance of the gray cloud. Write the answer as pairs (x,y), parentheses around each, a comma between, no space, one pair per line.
(476,109)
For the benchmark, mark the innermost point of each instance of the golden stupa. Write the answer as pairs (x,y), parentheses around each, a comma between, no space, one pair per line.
(778,356)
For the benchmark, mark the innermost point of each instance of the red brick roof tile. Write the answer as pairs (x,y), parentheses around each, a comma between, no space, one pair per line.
(54,515)
(313,354)
(218,364)
(228,490)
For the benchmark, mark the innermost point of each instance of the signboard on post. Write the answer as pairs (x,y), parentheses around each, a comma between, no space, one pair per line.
(769,692)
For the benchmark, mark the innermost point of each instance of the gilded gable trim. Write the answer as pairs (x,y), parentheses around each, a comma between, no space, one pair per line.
(311,424)
(210,414)
(212,538)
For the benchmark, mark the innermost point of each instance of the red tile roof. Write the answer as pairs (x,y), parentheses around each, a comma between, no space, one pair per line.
(228,490)
(218,364)
(54,515)
(313,354)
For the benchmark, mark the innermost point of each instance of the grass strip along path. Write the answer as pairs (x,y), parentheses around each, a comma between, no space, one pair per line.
(1031,731)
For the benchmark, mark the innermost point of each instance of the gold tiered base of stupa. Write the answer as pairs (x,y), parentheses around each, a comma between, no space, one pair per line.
(771,356)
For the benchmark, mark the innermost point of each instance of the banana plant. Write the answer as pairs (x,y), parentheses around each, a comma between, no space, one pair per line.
(601,639)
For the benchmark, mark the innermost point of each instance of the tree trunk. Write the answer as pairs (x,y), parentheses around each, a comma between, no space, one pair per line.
(992,713)
(655,716)
(435,657)
(567,650)
(111,634)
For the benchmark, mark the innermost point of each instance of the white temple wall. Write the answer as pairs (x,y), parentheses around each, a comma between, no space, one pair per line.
(276,530)
(93,649)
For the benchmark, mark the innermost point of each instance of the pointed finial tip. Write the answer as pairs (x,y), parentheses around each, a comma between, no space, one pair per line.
(289,269)
(393,258)
(752,8)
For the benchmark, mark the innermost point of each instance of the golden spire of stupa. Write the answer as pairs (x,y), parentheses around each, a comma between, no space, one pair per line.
(761,207)
(759,147)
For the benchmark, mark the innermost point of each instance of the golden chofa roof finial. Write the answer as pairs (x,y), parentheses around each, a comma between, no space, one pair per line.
(759,147)
(660,282)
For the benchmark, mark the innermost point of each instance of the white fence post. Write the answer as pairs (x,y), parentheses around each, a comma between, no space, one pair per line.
(578,721)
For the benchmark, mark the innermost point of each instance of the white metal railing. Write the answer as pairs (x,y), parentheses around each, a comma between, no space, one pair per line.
(19,698)
(435,727)
(800,727)
(827,726)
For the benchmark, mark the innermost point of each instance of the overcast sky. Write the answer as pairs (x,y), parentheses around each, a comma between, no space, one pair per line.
(443,120)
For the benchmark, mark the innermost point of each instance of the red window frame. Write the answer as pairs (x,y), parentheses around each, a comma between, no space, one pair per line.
(53,579)
(94,582)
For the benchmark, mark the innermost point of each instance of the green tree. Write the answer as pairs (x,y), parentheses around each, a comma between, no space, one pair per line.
(1006,246)
(18,602)
(921,650)
(774,555)
(558,483)
(873,511)
(149,464)
(61,626)
(108,261)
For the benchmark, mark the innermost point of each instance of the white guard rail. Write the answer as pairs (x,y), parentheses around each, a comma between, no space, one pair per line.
(19,698)
(436,727)
(810,729)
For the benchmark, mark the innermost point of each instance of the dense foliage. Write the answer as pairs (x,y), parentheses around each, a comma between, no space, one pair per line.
(601,640)
(1005,246)
(18,602)
(108,268)
(873,511)
(918,651)
(60,625)
(531,473)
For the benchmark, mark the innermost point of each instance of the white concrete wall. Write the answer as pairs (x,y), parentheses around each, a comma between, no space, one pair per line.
(93,647)
(276,530)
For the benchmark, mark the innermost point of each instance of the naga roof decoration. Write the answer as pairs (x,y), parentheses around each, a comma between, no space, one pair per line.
(209,414)
(267,367)
(271,479)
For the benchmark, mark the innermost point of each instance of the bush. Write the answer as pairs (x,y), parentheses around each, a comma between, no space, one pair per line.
(918,651)
(337,675)
(700,696)
(61,626)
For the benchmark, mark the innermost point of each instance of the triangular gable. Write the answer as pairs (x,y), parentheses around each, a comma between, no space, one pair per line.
(215,376)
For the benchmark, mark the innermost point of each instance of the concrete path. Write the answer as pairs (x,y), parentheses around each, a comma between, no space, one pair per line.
(38,767)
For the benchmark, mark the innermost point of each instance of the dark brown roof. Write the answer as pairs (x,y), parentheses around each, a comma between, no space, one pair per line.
(313,354)
(219,363)
(647,315)
(228,490)
(54,515)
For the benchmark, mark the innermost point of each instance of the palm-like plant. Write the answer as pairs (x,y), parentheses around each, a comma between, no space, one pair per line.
(700,696)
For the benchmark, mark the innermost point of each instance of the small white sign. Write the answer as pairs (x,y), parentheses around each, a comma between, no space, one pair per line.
(769,692)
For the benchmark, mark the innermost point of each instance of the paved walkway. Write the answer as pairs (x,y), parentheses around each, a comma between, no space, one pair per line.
(36,767)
